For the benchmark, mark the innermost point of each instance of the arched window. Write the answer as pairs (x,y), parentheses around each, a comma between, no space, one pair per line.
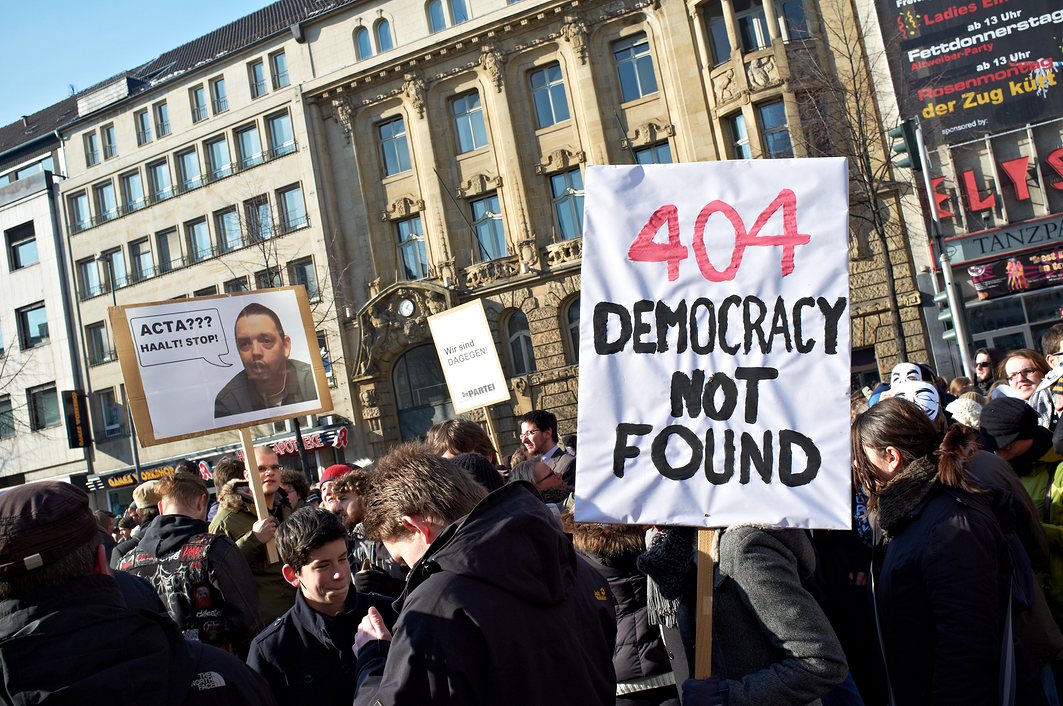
(458,12)
(421,395)
(383,36)
(363,48)
(437,18)
(520,346)
(572,329)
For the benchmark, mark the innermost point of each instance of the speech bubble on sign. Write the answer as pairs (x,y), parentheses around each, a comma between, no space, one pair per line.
(179,336)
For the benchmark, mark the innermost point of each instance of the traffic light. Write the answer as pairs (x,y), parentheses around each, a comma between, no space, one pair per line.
(905,144)
(945,315)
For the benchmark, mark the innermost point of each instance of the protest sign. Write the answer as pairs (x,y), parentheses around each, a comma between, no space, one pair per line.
(714,347)
(468,356)
(207,364)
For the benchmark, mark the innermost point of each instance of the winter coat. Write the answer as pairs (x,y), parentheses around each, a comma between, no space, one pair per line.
(942,587)
(612,550)
(77,643)
(771,641)
(499,610)
(307,657)
(1044,402)
(235,520)
(1041,473)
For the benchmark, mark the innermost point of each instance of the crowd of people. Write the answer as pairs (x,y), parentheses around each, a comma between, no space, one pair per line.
(447,573)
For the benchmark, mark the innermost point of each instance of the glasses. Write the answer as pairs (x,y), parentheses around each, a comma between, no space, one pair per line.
(275,467)
(983,365)
(547,476)
(530,432)
(1024,373)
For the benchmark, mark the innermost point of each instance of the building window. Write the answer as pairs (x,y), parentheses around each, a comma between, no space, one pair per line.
(383,36)
(110,143)
(206,291)
(572,329)
(41,165)
(566,189)
(520,345)
(142,123)
(772,117)
(256,77)
(44,407)
(363,46)
(792,23)
(162,119)
(159,180)
(411,248)
(110,412)
(634,66)
(326,358)
(490,233)
(249,147)
(458,12)
(292,208)
(116,271)
(32,325)
(719,40)
(7,418)
(281,137)
(548,94)
(393,146)
(199,246)
(227,226)
(99,344)
(660,153)
(197,98)
(752,26)
(218,161)
(132,191)
(140,258)
(259,218)
(168,250)
(739,137)
(22,246)
(469,122)
(188,175)
(92,149)
(219,100)
(302,272)
(268,278)
(239,284)
(437,19)
(106,202)
(79,212)
(278,66)
(89,275)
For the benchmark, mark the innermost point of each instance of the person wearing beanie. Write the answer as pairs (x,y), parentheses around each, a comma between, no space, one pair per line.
(328,477)
(965,411)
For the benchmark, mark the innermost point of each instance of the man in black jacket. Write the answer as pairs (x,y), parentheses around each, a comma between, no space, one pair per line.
(66,635)
(498,608)
(306,655)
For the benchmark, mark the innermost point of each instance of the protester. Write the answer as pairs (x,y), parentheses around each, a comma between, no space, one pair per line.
(66,634)
(238,521)
(146,510)
(1022,370)
(538,473)
(498,609)
(538,436)
(225,470)
(105,520)
(330,476)
(457,436)
(942,580)
(307,655)
(1046,402)
(295,487)
(373,568)
(203,579)
(481,469)
(985,365)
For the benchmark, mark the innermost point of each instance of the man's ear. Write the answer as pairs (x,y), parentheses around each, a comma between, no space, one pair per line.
(290,575)
(420,525)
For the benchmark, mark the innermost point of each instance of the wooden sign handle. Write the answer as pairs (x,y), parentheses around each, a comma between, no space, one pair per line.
(256,489)
(703,634)
(491,433)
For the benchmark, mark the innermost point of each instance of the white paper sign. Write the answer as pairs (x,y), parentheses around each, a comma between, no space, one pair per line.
(468,356)
(714,345)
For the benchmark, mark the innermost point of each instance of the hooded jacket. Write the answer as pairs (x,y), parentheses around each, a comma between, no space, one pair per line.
(499,610)
(77,643)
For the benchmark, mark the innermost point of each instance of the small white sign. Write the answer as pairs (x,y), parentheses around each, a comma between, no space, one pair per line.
(714,345)
(468,356)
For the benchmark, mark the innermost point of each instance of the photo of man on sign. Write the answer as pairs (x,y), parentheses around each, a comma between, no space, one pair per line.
(269,378)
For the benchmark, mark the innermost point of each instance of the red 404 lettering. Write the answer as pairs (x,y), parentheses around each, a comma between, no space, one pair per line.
(645,249)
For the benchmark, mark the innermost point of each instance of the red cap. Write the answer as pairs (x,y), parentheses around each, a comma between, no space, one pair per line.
(334,472)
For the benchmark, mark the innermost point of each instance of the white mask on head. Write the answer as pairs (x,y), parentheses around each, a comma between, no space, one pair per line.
(903,372)
(922,394)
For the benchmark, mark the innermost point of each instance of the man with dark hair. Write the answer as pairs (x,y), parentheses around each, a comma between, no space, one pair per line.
(225,470)
(67,636)
(985,365)
(203,579)
(105,519)
(269,378)
(306,655)
(538,435)
(454,437)
(498,608)
(382,575)
(294,484)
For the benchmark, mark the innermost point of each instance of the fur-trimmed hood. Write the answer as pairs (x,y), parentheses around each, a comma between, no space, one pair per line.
(606,541)
(235,495)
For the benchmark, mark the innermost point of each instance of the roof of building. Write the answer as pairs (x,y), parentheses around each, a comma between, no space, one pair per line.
(43,122)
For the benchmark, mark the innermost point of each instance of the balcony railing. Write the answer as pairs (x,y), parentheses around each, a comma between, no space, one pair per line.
(99,356)
(220,105)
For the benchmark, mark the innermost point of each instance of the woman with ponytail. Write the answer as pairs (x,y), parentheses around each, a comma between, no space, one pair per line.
(941,573)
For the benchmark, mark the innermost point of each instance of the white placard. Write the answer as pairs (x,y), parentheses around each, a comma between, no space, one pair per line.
(468,356)
(200,365)
(714,345)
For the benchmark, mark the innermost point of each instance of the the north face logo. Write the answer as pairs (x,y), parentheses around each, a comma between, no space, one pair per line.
(208,680)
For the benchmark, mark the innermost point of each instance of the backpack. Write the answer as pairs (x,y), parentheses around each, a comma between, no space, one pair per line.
(183,581)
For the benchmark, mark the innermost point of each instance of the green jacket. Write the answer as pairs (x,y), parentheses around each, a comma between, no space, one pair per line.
(235,520)
(1044,483)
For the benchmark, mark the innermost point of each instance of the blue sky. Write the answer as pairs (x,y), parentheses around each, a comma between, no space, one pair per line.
(50,44)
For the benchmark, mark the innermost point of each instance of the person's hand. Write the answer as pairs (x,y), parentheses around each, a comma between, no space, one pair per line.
(371,628)
(705,692)
(264,529)
(373,579)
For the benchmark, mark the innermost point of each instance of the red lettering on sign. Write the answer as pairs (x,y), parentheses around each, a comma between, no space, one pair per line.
(1055,160)
(341,438)
(645,249)
(977,203)
(1016,171)
(940,198)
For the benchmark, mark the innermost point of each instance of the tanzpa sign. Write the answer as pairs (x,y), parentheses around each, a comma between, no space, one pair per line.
(714,347)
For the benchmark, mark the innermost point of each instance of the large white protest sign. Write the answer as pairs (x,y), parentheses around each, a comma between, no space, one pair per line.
(468,356)
(714,345)
(202,365)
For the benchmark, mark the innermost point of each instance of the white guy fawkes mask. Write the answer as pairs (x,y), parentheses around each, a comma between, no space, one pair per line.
(922,394)
(903,372)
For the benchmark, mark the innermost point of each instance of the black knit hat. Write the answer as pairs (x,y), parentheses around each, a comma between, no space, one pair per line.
(41,523)
(1005,420)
